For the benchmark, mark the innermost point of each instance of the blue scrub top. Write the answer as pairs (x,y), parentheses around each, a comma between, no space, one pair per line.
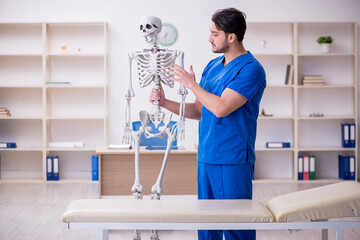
(231,139)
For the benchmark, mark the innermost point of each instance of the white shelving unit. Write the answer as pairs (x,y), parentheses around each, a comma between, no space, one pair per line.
(43,111)
(295,43)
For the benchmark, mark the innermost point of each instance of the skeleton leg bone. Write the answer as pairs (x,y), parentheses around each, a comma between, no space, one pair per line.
(137,187)
(137,235)
(156,188)
(154,235)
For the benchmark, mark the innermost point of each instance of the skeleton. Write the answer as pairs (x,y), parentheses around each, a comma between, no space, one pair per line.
(152,67)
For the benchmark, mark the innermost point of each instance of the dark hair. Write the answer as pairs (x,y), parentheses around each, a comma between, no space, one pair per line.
(230,20)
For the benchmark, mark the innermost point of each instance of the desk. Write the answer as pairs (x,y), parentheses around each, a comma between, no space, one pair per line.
(117,171)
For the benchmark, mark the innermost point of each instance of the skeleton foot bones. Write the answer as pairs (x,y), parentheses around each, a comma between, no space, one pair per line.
(152,67)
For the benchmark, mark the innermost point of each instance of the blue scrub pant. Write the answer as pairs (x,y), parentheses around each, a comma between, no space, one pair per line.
(225,181)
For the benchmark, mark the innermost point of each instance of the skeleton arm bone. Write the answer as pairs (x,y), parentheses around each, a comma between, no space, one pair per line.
(180,125)
(182,90)
(130,92)
(127,137)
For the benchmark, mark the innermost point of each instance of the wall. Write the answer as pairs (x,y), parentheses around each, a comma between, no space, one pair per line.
(192,19)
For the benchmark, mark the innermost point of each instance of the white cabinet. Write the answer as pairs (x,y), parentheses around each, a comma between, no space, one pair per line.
(292,105)
(53,96)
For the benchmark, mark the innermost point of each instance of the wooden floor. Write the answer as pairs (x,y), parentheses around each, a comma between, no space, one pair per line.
(33,211)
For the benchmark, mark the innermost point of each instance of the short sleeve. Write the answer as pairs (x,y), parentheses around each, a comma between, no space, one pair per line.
(249,79)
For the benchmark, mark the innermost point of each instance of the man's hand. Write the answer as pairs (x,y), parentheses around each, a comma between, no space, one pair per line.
(187,79)
(157,95)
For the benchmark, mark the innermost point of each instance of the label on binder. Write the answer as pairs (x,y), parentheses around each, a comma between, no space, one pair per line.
(56,168)
(49,168)
(306,167)
(352,135)
(345,135)
(352,168)
(312,168)
(300,167)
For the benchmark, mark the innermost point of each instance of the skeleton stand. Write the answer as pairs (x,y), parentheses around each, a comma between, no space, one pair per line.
(152,65)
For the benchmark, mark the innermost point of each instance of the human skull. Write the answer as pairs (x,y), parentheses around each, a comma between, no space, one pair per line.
(150,27)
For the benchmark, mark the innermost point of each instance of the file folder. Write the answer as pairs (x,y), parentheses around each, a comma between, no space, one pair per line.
(352,168)
(312,167)
(56,168)
(341,167)
(95,167)
(7,145)
(344,167)
(352,135)
(277,144)
(300,168)
(345,135)
(306,167)
(49,168)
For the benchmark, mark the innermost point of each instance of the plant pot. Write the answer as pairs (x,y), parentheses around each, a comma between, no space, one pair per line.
(325,47)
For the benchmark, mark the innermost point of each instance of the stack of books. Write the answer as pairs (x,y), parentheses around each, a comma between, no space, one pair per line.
(314,80)
(4,112)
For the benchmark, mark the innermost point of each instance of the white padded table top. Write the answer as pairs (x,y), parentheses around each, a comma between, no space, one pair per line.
(156,211)
(337,200)
(331,201)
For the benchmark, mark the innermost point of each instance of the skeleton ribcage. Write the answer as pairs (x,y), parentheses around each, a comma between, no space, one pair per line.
(154,66)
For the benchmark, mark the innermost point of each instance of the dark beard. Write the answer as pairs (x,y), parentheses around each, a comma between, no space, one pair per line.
(224,49)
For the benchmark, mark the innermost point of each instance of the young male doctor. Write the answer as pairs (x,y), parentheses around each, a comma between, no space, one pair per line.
(227,105)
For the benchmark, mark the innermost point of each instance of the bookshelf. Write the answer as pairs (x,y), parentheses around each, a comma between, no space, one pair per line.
(295,43)
(52,97)
(45,112)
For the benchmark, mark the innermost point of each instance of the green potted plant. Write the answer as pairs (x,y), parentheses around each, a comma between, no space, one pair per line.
(325,43)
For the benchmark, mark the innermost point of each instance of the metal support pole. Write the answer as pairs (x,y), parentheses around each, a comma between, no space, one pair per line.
(102,234)
(339,234)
